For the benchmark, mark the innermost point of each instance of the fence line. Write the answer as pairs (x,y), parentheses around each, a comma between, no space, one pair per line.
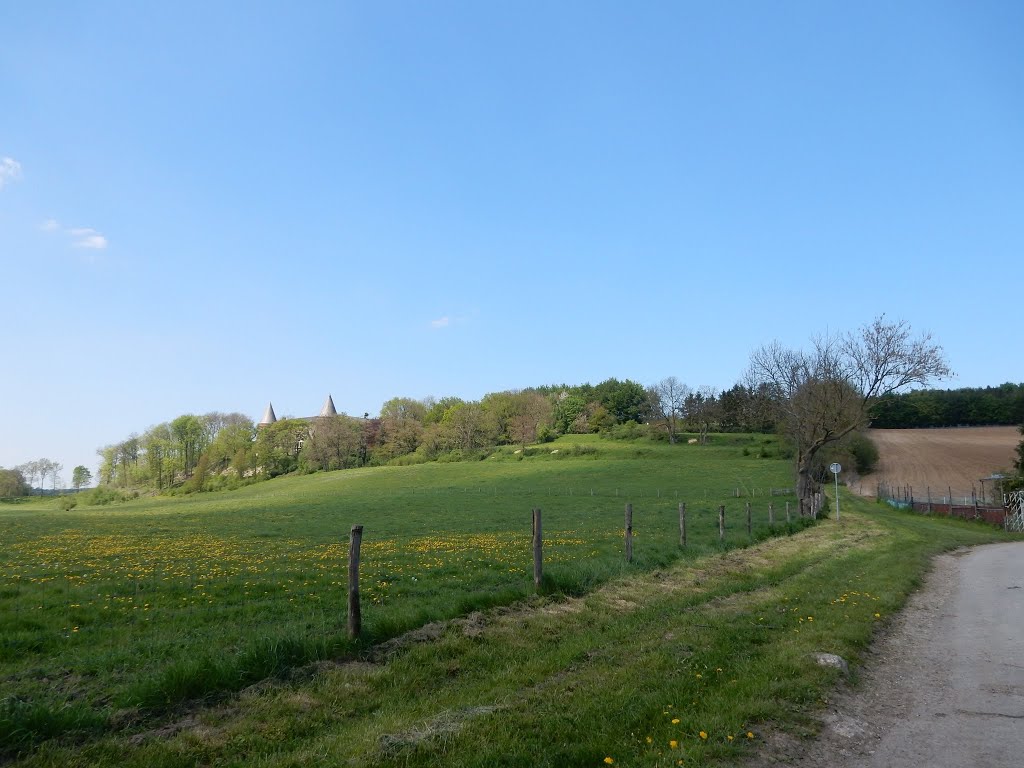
(537,545)
(968,506)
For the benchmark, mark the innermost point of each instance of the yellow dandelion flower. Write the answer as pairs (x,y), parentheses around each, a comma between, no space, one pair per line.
(750,735)
(703,735)
(675,721)
(673,743)
(649,740)
(609,760)
(729,737)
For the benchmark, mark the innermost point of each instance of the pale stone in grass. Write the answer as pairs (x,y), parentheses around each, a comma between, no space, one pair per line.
(831,660)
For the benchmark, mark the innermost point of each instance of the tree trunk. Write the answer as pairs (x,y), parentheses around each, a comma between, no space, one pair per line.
(805,483)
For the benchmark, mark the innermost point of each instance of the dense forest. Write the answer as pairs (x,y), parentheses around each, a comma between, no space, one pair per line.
(972,406)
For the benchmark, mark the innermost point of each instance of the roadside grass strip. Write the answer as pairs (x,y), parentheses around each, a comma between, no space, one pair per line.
(691,664)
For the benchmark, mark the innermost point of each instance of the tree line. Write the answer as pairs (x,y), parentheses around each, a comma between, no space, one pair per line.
(819,398)
(967,406)
(22,479)
(217,450)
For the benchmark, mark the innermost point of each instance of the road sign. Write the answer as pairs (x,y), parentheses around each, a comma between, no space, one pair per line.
(835,469)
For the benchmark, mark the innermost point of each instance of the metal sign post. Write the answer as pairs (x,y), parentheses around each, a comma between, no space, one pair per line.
(835,469)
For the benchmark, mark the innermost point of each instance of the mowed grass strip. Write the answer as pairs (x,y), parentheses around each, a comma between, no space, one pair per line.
(146,605)
(693,663)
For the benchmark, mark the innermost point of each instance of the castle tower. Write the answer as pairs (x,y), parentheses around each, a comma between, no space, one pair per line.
(328,409)
(269,417)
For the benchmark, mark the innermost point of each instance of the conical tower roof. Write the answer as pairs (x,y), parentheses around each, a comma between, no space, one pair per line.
(269,417)
(328,409)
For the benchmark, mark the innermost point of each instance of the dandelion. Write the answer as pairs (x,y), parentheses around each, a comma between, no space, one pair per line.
(750,734)
(609,760)
(729,737)
(673,744)
(675,721)
(649,740)
(878,615)
(703,735)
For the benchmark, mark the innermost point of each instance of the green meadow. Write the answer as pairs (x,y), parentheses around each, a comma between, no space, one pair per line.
(143,606)
(210,630)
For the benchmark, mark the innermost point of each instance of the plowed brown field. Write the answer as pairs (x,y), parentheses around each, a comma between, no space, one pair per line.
(940,458)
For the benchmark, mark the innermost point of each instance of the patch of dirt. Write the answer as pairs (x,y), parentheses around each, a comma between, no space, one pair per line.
(939,458)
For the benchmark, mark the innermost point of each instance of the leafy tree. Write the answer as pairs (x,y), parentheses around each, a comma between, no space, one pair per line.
(825,394)
(189,435)
(158,445)
(465,427)
(333,443)
(624,400)
(12,484)
(401,427)
(235,435)
(571,413)
(80,477)
(278,445)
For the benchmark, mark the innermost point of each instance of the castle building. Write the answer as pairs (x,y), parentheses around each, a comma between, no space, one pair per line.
(328,409)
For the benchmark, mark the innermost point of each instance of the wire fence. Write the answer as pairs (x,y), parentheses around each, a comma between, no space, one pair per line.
(990,506)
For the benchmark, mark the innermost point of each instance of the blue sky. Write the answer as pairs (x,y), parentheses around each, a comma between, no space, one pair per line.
(206,206)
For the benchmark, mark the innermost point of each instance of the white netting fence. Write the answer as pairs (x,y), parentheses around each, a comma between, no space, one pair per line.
(1015,511)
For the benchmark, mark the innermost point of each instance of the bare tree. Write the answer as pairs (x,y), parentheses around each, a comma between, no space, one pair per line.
(825,394)
(668,397)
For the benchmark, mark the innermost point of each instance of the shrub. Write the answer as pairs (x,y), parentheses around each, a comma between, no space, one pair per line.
(864,452)
(628,431)
(104,494)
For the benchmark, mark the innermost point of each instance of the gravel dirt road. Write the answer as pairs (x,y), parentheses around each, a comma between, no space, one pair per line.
(943,687)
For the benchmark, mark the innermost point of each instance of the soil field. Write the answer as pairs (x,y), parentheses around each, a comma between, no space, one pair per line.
(940,458)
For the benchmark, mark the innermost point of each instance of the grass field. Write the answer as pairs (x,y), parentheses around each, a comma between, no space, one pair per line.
(114,616)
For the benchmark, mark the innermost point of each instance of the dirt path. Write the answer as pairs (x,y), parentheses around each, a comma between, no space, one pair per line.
(944,687)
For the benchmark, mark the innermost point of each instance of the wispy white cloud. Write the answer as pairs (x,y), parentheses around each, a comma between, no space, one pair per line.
(10,170)
(86,237)
(441,322)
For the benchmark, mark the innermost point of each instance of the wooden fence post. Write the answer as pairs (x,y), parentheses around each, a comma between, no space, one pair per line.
(682,524)
(771,514)
(538,550)
(355,619)
(787,513)
(750,526)
(721,523)
(629,533)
